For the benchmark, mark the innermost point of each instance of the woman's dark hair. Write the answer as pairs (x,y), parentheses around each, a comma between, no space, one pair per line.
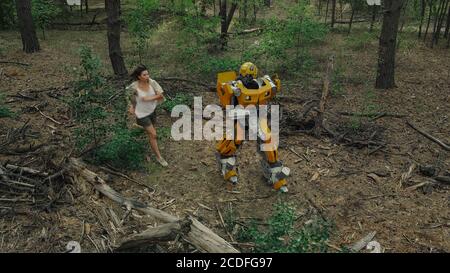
(137,71)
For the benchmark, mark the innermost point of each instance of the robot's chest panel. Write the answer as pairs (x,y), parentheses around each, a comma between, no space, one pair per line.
(254,96)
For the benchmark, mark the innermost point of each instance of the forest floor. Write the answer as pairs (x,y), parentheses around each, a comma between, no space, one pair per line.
(355,188)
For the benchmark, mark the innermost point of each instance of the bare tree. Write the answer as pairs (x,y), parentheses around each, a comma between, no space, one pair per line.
(422,15)
(225,20)
(115,52)
(388,40)
(30,41)
(333,12)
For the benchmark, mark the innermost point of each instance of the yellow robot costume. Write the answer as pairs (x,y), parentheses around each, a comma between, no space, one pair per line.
(246,89)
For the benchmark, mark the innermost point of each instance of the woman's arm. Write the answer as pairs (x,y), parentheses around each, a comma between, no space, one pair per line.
(154,97)
(132,99)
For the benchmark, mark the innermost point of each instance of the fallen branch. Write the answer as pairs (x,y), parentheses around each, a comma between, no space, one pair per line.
(200,236)
(300,156)
(246,31)
(427,135)
(443,179)
(363,242)
(348,22)
(25,169)
(374,115)
(126,177)
(161,233)
(18,63)
(223,224)
(50,118)
(318,126)
(419,185)
(406,175)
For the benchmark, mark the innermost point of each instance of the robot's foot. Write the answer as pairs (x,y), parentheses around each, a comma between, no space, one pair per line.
(233,180)
(280,185)
(232,183)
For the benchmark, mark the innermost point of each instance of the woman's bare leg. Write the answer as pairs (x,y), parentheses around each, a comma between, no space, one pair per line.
(151,132)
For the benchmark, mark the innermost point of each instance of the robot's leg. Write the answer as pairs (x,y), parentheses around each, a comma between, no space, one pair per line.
(274,171)
(226,158)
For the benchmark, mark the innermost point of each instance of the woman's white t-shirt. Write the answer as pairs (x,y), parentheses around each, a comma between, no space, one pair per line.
(145,108)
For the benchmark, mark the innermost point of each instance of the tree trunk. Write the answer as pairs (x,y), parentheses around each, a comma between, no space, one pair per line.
(429,19)
(87,6)
(319,7)
(115,52)
(440,24)
(230,15)
(422,15)
(448,41)
(199,235)
(374,15)
(30,42)
(326,11)
(436,16)
(388,40)
(351,19)
(404,15)
(245,10)
(254,11)
(333,12)
(447,27)
(161,233)
(223,22)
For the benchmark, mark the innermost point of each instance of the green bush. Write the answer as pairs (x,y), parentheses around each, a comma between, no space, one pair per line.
(281,236)
(288,39)
(7,14)
(123,150)
(5,112)
(180,98)
(102,119)
(140,20)
(209,67)
(90,70)
(163,133)
(44,12)
(360,41)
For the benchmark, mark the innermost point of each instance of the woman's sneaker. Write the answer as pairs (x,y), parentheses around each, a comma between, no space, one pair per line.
(162,162)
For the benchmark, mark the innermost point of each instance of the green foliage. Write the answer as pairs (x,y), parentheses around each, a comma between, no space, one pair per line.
(198,31)
(4,110)
(338,81)
(123,150)
(282,237)
(163,133)
(197,40)
(7,14)
(405,42)
(179,99)
(360,41)
(369,109)
(209,67)
(91,69)
(97,116)
(90,79)
(289,39)
(93,129)
(140,21)
(44,12)
(182,7)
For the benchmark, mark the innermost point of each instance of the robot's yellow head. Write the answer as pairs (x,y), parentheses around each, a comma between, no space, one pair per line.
(248,68)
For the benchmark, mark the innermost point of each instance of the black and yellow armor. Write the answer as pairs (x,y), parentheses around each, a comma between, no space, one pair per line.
(233,90)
